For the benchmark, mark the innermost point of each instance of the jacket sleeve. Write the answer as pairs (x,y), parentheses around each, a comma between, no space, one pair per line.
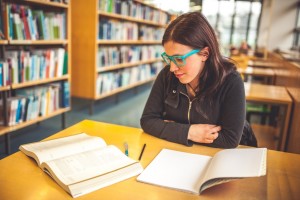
(232,114)
(152,121)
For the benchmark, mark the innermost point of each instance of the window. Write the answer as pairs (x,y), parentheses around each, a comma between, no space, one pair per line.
(233,20)
(296,42)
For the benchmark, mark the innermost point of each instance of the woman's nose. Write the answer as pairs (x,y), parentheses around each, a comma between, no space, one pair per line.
(173,67)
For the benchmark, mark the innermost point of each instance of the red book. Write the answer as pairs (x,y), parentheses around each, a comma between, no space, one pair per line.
(25,22)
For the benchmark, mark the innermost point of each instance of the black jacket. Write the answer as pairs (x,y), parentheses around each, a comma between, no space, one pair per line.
(168,100)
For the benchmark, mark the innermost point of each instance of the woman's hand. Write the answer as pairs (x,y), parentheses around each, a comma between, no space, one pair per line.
(203,133)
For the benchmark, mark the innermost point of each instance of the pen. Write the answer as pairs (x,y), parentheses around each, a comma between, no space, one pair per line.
(126,148)
(141,154)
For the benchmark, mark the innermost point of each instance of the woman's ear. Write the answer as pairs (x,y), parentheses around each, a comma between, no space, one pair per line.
(204,54)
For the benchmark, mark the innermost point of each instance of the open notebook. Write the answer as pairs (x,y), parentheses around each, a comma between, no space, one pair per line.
(194,173)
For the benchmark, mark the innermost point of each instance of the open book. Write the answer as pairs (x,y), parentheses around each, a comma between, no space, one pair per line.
(194,173)
(81,164)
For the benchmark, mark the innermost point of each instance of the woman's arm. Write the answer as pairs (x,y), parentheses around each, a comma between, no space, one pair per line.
(152,121)
(232,114)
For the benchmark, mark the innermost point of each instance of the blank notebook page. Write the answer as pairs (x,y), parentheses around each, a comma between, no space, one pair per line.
(175,169)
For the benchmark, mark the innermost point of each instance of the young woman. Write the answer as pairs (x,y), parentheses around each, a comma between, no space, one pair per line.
(198,97)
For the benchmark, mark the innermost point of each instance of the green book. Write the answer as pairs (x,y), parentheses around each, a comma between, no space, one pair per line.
(65,65)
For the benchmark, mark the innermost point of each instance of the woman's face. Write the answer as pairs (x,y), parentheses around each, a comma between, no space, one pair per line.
(190,72)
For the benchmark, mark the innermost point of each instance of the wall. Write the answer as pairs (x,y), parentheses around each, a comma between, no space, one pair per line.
(277,23)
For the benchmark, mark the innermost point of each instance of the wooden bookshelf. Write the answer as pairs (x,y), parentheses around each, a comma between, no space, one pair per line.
(8,129)
(86,42)
(123,42)
(124,88)
(40,44)
(126,65)
(37,42)
(39,82)
(3,42)
(4,88)
(48,3)
(131,19)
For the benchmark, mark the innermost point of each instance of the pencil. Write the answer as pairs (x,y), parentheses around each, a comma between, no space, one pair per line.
(141,154)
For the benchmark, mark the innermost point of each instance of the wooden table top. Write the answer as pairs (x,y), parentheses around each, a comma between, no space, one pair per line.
(267,93)
(263,64)
(257,71)
(21,178)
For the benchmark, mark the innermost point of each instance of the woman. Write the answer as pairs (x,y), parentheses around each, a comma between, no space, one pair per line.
(198,97)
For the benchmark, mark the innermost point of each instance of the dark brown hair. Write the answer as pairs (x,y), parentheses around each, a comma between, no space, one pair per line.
(192,29)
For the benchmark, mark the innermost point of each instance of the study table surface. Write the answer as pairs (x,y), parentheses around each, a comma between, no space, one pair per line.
(272,95)
(264,64)
(21,178)
(265,73)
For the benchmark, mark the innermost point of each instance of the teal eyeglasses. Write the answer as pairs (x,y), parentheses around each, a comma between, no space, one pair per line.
(178,60)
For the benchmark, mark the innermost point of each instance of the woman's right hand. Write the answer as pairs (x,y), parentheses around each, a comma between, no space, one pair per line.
(203,133)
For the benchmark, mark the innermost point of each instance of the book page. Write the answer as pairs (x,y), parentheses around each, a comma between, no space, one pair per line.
(86,165)
(61,147)
(174,169)
(237,163)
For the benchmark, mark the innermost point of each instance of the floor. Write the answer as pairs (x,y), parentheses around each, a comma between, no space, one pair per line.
(131,103)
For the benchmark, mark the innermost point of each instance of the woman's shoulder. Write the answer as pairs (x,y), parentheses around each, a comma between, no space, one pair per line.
(233,76)
(233,79)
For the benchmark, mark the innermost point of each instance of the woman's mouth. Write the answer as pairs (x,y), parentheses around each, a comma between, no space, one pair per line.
(179,75)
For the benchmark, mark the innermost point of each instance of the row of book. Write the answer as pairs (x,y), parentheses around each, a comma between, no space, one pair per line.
(57,1)
(22,66)
(2,37)
(31,103)
(109,81)
(114,55)
(134,9)
(26,23)
(150,33)
(110,29)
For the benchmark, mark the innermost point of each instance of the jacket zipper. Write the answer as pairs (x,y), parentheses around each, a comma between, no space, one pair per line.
(190,106)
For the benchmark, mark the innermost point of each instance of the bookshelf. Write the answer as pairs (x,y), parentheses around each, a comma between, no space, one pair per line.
(36,63)
(104,26)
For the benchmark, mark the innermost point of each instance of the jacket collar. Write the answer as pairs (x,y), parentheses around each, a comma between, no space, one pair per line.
(173,95)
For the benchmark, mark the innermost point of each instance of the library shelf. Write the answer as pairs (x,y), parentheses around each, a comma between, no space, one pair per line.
(89,38)
(124,88)
(11,31)
(37,42)
(131,19)
(3,42)
(47,3)
(123,42)
(4,88)
(39,82)
(8,129)
(125,65)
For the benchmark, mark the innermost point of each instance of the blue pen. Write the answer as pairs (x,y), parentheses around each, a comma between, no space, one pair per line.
(126,149)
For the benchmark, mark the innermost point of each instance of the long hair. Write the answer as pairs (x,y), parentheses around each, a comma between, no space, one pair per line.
(192,29)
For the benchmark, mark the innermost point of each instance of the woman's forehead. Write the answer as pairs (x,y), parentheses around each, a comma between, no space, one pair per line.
(174,48)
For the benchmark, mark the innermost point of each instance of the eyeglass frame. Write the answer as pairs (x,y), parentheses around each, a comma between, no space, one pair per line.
(183,57)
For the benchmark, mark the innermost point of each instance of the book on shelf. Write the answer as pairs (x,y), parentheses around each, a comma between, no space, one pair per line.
(65,94)
(194,173)
(81,163)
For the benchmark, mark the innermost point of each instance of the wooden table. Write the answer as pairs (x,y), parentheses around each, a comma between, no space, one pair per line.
(20,177)
(264,64)
(268,75)
(272,95)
